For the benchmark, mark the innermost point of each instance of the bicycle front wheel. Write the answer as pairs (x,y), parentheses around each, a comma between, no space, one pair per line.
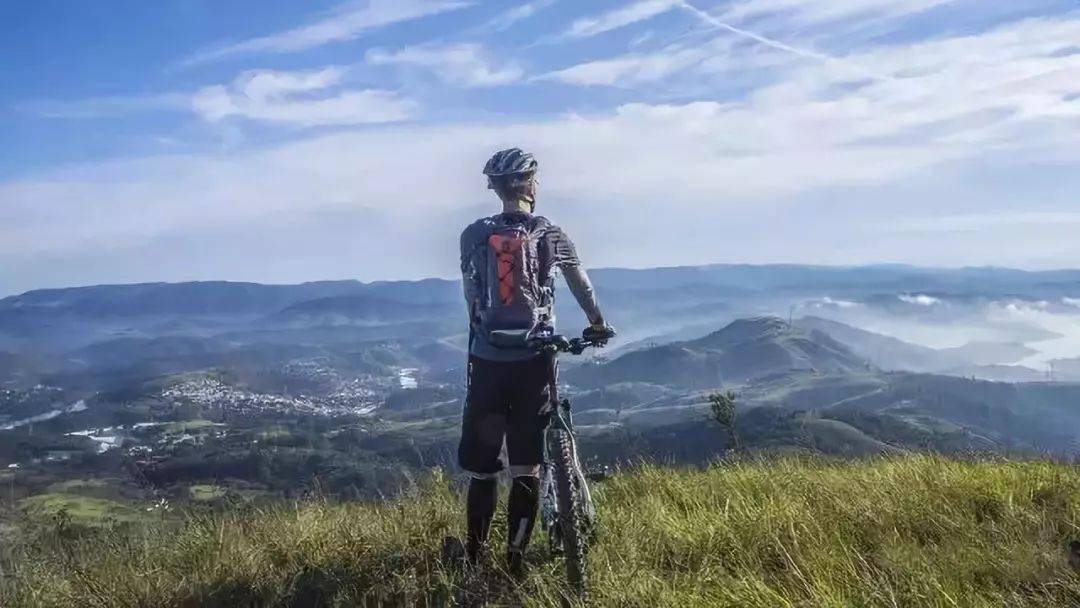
(571,522)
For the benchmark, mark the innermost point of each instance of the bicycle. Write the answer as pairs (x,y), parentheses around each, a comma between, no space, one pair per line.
(567,512)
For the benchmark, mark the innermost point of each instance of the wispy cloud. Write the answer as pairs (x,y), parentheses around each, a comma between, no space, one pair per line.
(643,10)
(349,21)
(284,98)
(302,98)
(463,64)
(919,299)
(812,12)
(718,55)
(508,18)
(630,70)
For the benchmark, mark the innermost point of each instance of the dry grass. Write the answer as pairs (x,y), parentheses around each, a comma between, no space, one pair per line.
(911,531)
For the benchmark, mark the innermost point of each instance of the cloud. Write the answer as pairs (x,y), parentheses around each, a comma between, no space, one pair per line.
(296,98)
(347,22)
(283,97)
(715,55)
(643,10)
(918,299)
(265,85)
(696,160)
(629,70)
(813,12)
(463,64)
(815,163)
(719,59)
(510,17)
(829,302)
(939,98)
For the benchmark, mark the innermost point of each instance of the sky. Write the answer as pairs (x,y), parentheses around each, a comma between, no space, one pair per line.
(284,142)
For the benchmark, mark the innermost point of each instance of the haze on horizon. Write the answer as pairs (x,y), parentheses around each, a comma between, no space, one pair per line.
(279,142)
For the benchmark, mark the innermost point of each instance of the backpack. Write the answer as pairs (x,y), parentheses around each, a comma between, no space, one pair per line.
(515,287)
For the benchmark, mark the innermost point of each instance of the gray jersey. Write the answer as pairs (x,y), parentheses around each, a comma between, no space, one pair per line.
(555,252)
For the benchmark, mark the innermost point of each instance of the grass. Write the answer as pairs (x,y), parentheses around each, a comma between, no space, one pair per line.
(87,511)
(904,531)
(206,492)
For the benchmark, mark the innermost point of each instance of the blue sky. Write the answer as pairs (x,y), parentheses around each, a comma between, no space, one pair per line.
(285,141)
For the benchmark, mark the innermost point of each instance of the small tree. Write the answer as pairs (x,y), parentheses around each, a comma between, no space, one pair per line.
(722,411)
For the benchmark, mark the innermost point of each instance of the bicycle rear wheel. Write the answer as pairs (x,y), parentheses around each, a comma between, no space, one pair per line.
(571,522)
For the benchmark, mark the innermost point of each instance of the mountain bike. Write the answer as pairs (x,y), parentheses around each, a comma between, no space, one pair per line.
(567,513)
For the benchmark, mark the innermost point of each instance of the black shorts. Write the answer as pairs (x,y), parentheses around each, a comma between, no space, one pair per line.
(505,400)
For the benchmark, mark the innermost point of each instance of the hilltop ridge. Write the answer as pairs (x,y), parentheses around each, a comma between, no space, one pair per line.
(742,350)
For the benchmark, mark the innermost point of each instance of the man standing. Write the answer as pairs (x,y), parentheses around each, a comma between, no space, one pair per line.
(508,266)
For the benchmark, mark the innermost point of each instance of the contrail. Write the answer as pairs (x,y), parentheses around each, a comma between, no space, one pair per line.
(776,44)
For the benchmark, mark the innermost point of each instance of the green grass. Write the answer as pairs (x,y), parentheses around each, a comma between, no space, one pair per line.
(206,492)
(910,531)
(81,510)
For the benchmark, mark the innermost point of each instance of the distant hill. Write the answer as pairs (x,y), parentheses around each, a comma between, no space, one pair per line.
(198,298)
(744,349)
(343,310)
(211,297)
(64,319)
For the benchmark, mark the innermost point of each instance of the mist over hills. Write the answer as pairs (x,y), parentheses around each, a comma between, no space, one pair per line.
(890,353)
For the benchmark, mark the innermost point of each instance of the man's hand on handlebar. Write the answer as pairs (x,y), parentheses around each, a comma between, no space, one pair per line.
(598,334)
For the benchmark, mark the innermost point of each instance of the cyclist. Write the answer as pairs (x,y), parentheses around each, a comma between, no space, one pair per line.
(508,265)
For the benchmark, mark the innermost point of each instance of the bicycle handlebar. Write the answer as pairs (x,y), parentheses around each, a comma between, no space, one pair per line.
(544,341)
(553,343)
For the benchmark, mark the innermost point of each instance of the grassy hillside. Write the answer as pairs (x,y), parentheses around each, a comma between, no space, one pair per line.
(905,531)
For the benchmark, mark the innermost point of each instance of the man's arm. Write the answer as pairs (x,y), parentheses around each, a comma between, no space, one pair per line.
(578,281)
(576,278)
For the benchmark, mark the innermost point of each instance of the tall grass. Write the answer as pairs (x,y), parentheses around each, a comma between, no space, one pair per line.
(910,531)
